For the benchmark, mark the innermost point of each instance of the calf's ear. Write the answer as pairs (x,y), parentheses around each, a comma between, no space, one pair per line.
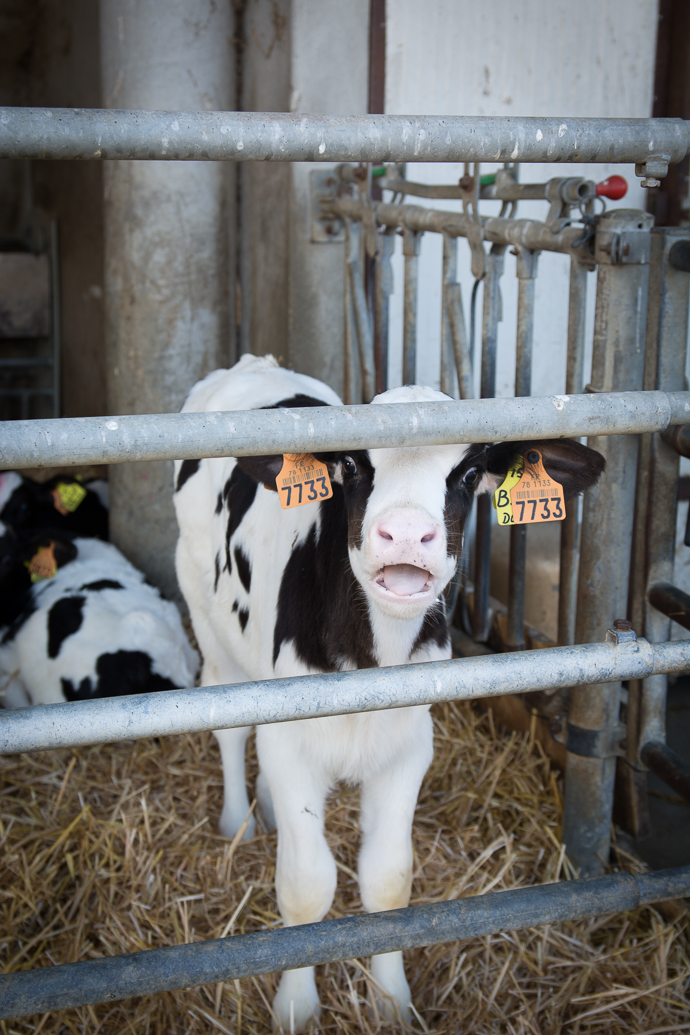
(572,465)
(263,469)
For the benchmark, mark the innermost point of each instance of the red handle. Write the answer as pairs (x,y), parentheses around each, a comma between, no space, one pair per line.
(614,188)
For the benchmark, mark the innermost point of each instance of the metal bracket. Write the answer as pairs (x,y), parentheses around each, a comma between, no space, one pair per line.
(630,247)
(601,743)
(325,228)
(653,170)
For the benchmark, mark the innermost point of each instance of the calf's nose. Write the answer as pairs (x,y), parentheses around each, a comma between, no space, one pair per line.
(401,529)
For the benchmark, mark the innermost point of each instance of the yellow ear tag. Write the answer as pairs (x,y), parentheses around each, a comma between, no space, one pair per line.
(501,498)
(67,497)
(302,479)
(536,497)
(43,564)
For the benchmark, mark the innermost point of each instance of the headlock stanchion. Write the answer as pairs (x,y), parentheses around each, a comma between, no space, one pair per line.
(636,391)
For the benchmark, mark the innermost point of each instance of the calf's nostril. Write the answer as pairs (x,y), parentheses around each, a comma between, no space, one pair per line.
(385,535)
(428,537)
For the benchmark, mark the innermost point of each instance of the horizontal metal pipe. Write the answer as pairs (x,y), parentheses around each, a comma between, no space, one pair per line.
(339,693)
(179,436)
(280,137)
(661,760)
(184,966)
(672,602)
(526,233)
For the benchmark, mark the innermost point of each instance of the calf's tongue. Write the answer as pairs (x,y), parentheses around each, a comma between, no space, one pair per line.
(404,579)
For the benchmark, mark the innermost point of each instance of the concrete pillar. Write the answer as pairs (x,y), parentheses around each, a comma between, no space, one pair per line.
(169,247)
(305,56)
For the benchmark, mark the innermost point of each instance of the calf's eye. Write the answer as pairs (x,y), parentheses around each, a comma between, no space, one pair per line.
(349,466)
(471,476)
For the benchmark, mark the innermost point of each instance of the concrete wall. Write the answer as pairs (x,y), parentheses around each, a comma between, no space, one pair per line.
(310,56)
(169,247)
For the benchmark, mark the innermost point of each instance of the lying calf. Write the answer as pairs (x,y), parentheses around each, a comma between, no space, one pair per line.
(62,502)
(353,581)
(89,627)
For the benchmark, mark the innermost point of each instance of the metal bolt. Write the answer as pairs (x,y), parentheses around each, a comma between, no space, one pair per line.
(650,181)
(466,183)
(622,625)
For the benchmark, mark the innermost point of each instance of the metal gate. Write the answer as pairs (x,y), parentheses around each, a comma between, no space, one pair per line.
(636,408)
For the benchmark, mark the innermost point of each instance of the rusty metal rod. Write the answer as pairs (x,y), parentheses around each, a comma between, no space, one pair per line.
(661,760)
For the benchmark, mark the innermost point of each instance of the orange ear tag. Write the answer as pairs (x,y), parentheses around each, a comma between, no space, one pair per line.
(302,479)
(43,564)
(536,497)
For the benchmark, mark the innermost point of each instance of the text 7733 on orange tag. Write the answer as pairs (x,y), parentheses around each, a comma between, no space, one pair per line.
(302,479)
(536,497)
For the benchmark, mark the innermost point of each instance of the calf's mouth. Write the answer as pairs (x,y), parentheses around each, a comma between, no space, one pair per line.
(404,580)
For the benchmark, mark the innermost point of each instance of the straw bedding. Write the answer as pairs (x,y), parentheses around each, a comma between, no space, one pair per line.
(113,849)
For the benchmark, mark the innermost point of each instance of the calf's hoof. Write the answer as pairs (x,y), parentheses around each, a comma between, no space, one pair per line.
(230,823)
(296,1003)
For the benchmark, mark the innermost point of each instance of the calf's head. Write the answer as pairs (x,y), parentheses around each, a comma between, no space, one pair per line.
(406,508)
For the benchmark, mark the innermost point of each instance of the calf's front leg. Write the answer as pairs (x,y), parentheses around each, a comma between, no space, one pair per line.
(306,874)
(388,801)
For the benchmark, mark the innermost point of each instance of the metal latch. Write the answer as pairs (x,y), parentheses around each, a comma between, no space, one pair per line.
(326,228)
(629,247)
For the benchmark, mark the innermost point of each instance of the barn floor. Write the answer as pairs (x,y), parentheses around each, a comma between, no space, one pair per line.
(112,850)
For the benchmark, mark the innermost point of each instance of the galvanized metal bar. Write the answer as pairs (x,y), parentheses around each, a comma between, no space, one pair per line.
(462,353)
(342,693)
(352,374)
(526,269)
(491,317)
(281,137)
(411,245)
(671,601)
(170,436)
(574,384)
(516,233)
(55,316)
(365,336)
(670,298)
(183,966)
(383,286)
(668,766)
(449,276)
(617,363)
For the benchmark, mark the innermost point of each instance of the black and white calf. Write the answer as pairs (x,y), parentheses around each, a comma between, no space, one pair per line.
(353,582)
(62,502)
(95,629)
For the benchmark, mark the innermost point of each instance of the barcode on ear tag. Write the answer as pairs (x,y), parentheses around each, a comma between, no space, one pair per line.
(302,479)
(43,564)
(536,497)
(501,498)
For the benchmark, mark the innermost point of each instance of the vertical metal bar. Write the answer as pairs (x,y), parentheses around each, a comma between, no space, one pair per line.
(353,380)
(670,298)
(383,286)
(448,280)
(55,314)
(362,320)
(574,383)
(482,546)
(526,273)
(411,243)
(617,366)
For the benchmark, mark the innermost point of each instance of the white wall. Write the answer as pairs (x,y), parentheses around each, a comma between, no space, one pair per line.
(501,57)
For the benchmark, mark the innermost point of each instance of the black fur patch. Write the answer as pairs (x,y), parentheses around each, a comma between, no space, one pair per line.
(321,606)
(244,568)
(219,503)
(243,616)
(434,629)
(32,506)
(187,469)
(217,575)
(64,619)
(119,674)
(235,606)
(26,607)
(239,493)
(102,584)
